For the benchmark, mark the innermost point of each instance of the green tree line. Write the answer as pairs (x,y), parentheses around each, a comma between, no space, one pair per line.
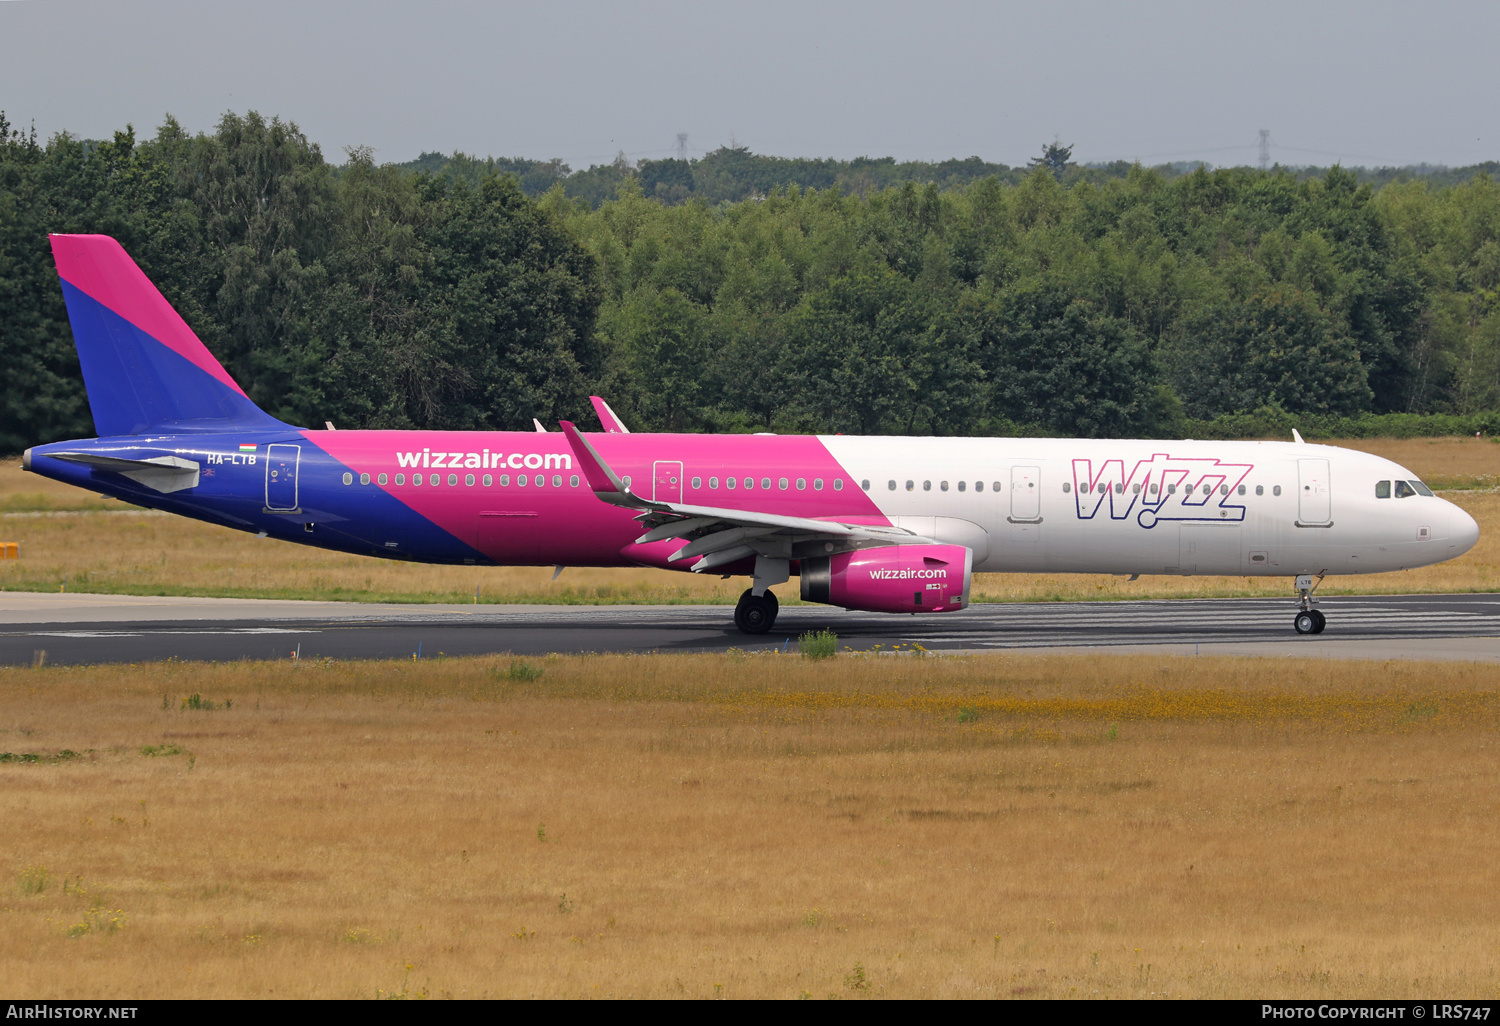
(1049,299)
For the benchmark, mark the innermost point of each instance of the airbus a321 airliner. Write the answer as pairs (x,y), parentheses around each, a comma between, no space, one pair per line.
(895,525)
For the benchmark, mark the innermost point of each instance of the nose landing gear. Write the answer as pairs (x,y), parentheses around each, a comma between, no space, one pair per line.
(1309,620)
(756,613)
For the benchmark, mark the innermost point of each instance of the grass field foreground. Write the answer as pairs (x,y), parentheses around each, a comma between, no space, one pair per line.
(75,540)
(751,826)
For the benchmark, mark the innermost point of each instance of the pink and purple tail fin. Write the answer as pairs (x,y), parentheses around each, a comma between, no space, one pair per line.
(144,368)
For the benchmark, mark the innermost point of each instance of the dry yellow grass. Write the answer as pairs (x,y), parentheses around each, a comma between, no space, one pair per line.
(1454,462)
(753,827)
(78,540)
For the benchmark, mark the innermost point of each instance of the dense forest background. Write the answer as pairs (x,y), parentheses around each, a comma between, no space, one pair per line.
(739,292)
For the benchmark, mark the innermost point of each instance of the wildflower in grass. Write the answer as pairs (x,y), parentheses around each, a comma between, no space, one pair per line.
(34,879)
(818,644)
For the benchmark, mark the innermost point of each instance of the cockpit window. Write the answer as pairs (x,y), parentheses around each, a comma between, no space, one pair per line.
(1420,487)
(1404,490)
(1382,489)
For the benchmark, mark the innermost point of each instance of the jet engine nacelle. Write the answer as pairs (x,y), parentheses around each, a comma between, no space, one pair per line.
(892,579)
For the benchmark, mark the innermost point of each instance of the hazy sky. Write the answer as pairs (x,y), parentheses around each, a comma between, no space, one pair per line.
(1370,83)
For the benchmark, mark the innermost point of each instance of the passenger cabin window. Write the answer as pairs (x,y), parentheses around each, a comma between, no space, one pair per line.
(910,485)
(697,482)
(504,480)
(1276,489)
(488,480)
(838,484)
(979,486)
(996,486)
(962,485)
(383,479)
(713,482)
(401,479)
(893,486)
(943,485)
(1382,489)
(729,483)
(1404,490)
(1155,489)
(926,486)
(469,480)
(572,481)
(818,484)
(765,483)
(1067,487)
(781,483)
(1241,490)
(1260,489)
(801,484)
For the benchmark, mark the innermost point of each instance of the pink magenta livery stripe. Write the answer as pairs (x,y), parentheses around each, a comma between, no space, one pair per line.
(98,267)
(456,508)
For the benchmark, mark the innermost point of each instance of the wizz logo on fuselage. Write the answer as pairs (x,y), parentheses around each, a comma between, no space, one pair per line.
(1161,488)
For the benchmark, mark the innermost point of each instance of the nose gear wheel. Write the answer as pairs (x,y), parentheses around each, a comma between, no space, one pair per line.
(1309,620)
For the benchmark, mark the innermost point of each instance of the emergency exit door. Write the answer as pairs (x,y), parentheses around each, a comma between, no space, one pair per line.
(1314,499)
(281,477)
(1025,495)
(667,481)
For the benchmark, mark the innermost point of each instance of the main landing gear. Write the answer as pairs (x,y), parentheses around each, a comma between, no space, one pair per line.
(1309,620)
(756,613)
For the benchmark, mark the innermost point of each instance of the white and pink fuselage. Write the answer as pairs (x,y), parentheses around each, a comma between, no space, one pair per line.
(1052,505)
(886,524)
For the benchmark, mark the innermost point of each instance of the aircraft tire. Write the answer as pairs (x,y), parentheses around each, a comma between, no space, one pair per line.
(1322,621)
(755,614)
(1306,623)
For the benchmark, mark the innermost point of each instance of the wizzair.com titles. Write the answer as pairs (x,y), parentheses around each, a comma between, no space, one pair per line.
(486,460)
(907,574)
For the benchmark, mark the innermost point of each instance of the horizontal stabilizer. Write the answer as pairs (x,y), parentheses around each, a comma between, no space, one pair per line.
(161,473)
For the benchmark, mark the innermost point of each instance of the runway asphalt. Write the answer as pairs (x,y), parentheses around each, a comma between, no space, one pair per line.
(77,629)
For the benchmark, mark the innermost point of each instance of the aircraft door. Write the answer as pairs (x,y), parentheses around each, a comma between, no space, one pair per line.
(510,538)
(281,477)
(1314,501)
(1208,549)
(668,481)
(1025,495)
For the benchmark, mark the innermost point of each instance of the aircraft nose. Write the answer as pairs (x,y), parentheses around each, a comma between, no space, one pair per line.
(1463,530)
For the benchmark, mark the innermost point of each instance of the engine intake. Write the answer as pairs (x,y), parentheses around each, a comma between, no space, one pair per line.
(892,579)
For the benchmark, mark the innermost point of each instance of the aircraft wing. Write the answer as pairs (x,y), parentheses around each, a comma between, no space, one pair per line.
(721,535)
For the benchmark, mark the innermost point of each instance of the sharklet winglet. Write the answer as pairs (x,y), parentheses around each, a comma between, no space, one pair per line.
(604,482)
(608,418)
